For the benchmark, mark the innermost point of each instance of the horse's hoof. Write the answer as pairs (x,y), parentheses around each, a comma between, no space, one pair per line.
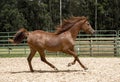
(55,69)
(69,64)
(85,68)
(32,70)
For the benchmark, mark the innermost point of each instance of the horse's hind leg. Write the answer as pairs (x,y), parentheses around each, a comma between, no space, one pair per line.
(32,53)
(42,55)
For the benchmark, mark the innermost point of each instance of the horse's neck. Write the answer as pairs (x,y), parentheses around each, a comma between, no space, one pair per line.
(74,32)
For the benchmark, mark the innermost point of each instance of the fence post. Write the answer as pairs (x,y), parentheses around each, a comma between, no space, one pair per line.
(9,50)
(91,52)
(116,43)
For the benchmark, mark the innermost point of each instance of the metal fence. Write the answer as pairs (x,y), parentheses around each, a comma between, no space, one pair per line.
(103,43)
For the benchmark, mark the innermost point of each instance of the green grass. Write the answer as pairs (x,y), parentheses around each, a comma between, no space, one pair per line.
(36,55)
(47,55)
(11,55)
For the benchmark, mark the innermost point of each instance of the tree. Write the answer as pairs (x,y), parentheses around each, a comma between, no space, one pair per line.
(10,17)
(45,14)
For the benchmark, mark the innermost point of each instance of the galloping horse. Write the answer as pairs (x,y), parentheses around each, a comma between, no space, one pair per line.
(63,40)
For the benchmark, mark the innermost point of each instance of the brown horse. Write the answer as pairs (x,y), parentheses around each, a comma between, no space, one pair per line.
(62,40)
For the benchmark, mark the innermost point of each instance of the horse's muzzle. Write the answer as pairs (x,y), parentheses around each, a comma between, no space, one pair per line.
(92,31)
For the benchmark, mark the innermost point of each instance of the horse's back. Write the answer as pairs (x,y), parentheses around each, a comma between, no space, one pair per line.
(42,39)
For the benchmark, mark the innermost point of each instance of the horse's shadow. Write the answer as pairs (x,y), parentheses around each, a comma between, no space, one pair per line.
(47,71)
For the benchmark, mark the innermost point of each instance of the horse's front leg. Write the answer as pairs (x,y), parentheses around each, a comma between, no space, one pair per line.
(42,55)
(72,63)
(76,59)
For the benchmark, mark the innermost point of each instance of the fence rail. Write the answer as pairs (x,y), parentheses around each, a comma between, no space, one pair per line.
(103,43)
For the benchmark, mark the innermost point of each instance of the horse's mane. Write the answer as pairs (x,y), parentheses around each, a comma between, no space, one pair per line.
(67,24)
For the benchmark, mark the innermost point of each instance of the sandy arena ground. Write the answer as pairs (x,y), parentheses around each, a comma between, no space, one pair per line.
(100,70)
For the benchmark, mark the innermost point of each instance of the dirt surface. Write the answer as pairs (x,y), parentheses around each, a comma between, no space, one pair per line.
(100,70)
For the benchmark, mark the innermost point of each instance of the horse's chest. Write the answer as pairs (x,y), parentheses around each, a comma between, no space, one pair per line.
(68,40)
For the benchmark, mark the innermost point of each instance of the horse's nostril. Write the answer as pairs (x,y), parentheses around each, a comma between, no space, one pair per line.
(94,32)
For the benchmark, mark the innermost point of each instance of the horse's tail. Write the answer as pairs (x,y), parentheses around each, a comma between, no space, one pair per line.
(19,36)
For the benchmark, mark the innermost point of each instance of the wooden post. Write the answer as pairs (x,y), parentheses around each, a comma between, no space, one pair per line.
(91,52)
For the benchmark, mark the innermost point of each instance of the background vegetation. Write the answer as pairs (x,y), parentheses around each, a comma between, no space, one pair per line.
(45,14)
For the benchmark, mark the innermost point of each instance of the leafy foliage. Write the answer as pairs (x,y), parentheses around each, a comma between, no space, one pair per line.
(45,14)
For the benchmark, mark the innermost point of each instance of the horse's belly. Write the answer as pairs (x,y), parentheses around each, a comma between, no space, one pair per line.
(53,46)
(54,49)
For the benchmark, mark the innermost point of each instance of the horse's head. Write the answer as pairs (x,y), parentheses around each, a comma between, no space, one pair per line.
(80,23)
(86,27)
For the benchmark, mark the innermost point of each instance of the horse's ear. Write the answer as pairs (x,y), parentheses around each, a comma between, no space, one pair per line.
(87,17)
(72,16)
(85,20)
